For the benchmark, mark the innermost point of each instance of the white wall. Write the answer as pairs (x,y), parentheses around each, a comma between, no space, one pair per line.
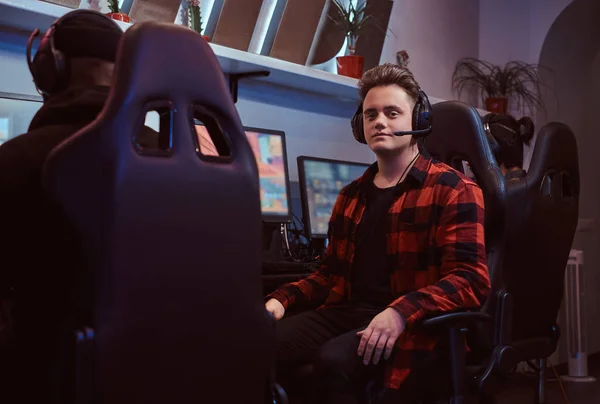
(542,14)
(504,31)
(515,29)
(436,34)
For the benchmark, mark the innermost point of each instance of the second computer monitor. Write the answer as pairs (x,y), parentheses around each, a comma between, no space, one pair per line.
(270,153)
(321,181)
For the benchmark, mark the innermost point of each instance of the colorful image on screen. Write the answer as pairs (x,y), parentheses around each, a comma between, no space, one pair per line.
(4,126)
(269,154)
(323,182)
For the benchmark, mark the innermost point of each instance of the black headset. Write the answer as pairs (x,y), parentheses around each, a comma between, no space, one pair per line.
(422,119)
(50,68)
(494,146)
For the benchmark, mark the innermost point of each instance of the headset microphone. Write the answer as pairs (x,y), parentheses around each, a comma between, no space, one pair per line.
(416,133)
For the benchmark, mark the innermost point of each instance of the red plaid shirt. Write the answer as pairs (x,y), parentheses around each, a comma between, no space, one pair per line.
(435,237)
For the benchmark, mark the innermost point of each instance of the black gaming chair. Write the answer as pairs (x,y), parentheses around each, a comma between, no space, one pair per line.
(458,136)
(172,256)
(541,221)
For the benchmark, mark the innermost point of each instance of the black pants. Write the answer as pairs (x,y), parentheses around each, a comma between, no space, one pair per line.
(327,339)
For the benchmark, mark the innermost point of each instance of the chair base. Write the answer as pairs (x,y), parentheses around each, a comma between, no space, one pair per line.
(572,379)
(541,393)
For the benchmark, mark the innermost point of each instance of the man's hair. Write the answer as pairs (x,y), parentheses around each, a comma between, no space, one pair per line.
(389,74)
(509,137)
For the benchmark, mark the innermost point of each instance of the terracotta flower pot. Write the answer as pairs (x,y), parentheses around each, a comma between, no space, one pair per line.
(119,17)
(498,105)
(350,66)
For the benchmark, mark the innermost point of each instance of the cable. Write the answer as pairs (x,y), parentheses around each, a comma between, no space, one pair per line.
(558,379)
(285,238)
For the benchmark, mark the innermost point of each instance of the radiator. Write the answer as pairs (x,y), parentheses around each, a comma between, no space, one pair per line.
(575,330)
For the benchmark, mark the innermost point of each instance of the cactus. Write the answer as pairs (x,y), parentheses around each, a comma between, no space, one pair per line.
(113,6)
(195,16)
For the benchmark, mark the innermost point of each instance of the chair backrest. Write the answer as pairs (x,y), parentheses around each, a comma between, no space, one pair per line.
(171,238)
(541,220)
(458,135)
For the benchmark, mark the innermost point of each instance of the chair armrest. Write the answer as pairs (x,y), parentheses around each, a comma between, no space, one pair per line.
(454,323)
(461,319)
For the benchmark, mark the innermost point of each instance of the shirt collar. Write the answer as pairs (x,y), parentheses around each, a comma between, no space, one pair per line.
(416,174)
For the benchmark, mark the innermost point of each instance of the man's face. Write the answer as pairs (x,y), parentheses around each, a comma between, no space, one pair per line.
(387,109)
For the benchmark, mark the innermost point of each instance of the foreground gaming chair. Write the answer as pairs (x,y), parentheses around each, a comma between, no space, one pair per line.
(171,256)
(541,221)
(458,136)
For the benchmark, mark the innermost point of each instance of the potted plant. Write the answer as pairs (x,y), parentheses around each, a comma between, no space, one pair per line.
(351,20)
(195,17)
(115,13)
(496,85)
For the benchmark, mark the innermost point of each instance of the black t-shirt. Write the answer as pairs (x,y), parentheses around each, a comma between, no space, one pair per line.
(370,277)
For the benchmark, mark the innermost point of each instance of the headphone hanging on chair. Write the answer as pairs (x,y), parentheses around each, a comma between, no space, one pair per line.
(422,118)
(50,68)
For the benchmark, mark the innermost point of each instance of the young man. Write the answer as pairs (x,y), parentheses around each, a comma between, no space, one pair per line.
(406,241)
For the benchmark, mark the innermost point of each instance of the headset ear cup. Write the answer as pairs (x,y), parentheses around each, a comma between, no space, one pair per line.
(358,129)
(416,116)
(49,66)
(425,112)
(45,73)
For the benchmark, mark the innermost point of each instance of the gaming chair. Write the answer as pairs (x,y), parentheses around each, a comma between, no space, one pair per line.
(541,219)
(172,258)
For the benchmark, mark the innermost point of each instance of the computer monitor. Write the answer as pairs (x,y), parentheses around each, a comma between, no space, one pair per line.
(321,181)
(16,113)
(271,157)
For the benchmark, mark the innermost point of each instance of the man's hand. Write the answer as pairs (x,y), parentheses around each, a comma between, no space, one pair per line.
(274,307)
(382,333)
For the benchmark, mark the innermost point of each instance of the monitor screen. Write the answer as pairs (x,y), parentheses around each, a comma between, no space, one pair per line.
(16,112)
(321,181)
(270,153)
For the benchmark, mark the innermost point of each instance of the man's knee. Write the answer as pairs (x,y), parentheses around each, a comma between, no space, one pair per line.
(339,356)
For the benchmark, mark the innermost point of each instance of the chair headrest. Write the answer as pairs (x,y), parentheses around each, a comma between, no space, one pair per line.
(458,133)
(160,62)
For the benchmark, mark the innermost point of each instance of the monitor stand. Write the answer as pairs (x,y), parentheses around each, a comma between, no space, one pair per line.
(272,242)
